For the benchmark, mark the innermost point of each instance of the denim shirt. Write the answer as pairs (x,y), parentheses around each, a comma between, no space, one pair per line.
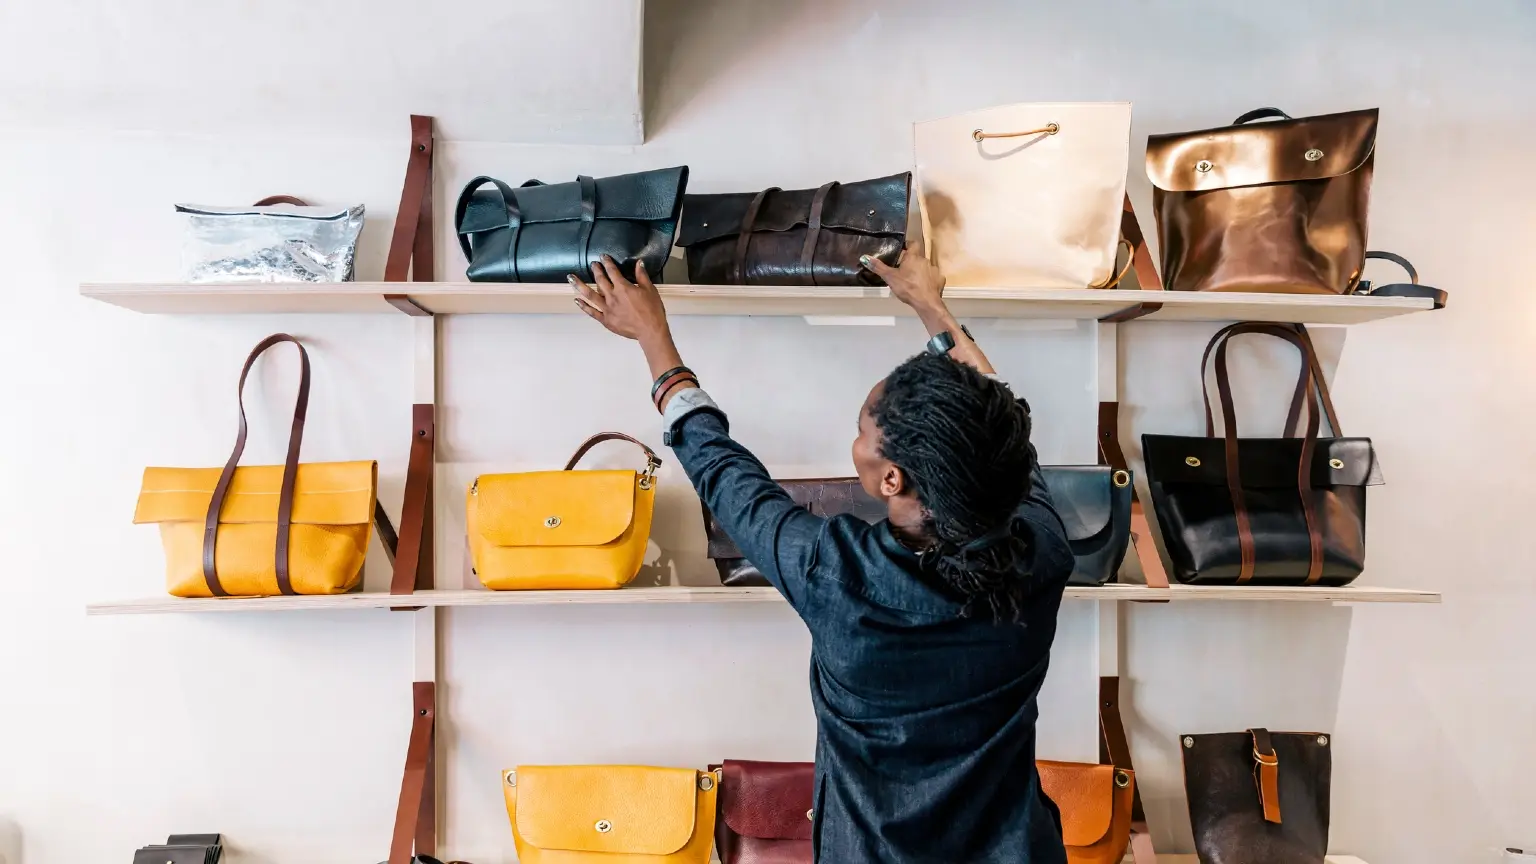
(925,746)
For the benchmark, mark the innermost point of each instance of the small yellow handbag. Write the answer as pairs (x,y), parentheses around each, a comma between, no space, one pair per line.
(562,529)
(273,529)
(610,814)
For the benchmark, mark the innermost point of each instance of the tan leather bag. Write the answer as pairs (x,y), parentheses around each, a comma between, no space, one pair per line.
(1271,207)
(1024,196)
(1095,805)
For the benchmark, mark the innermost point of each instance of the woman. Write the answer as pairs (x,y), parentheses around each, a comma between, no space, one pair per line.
(931,631)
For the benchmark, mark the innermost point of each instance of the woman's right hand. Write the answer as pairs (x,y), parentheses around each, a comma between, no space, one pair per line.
(917,282)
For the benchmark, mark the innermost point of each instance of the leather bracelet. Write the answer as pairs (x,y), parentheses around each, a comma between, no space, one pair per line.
(661,399)
(665,377)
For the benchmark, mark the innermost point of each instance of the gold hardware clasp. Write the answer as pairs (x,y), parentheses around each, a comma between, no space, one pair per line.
(1121,478)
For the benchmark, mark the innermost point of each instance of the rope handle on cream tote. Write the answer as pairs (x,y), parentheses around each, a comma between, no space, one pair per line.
(290,472)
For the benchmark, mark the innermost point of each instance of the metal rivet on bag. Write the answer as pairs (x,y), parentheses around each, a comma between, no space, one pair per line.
(706,782)
(1312,155)
(871,212)
(810,815)
(1322,740)
(705,225)
(1335,464)
(646,482)
(1192,461)
(552,522)
(603,826)
(1122,779)
(1189,742)
(511,778)
(1204,166)
(1121,478)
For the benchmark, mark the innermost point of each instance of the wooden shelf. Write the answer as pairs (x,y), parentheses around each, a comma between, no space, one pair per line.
(459,298)
(1194,859)
(717,594)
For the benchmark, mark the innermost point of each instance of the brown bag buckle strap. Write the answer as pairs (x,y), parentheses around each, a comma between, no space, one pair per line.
(652,461)
(290,472)
(289,199)
(1266,773)
(813,232)
(744,239)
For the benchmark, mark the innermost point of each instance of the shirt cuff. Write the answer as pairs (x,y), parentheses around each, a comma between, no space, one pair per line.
(683,403)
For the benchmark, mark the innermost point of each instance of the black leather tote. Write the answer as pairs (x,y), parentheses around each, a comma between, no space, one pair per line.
(1094,502)
(796,237)
(1269,511)
(544,232)
(1259,796)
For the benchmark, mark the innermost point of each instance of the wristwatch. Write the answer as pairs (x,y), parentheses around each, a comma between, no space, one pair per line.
(943,342)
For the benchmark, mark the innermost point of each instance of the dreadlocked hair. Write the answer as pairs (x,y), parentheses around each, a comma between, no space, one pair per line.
(962,440)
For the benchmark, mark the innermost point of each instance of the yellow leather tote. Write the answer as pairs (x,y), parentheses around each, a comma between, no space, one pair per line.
(274,529)
(610,814)
(562,529)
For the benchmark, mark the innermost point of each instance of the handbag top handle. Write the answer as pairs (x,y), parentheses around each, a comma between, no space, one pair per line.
(290,472)
(1310,385)
(652,461)
(281,199)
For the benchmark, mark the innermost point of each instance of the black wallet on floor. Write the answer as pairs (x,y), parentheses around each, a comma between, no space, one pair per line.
(183,849)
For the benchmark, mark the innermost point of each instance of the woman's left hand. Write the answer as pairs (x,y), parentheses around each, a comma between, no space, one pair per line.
(630,309)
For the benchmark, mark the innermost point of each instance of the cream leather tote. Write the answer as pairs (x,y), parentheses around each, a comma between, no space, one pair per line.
(1025,196)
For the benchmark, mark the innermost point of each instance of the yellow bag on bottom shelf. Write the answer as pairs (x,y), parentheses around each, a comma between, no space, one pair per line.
(562,529)
(610,814)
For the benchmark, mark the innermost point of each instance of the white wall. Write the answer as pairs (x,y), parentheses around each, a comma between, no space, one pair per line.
(286,731)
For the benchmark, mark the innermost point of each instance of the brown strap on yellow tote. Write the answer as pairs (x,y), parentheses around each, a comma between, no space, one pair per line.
(290,472)
(1115,750)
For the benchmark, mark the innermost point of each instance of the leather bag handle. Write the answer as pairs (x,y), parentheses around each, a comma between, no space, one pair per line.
(508,202)
(290,472)
(1308,381)
(1298,398)
(744,239)
(281,199)
(1411,288)
(1261,114)
(652,461)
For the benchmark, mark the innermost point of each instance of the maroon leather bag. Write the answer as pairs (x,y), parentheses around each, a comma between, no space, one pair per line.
(765,814)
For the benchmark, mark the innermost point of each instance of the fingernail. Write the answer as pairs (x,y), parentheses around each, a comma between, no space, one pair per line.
(571,278)
(864,259)
(640,264)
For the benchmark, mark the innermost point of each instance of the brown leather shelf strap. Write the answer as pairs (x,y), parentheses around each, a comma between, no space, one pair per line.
(410,247)
(1310,386)
(1110,454)
(290,471)
(416,814)
(1115,749)
(413,555)
(744,239)
(813,232)
(1266,774)
(652,461)
(1141,262)
(281,199)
